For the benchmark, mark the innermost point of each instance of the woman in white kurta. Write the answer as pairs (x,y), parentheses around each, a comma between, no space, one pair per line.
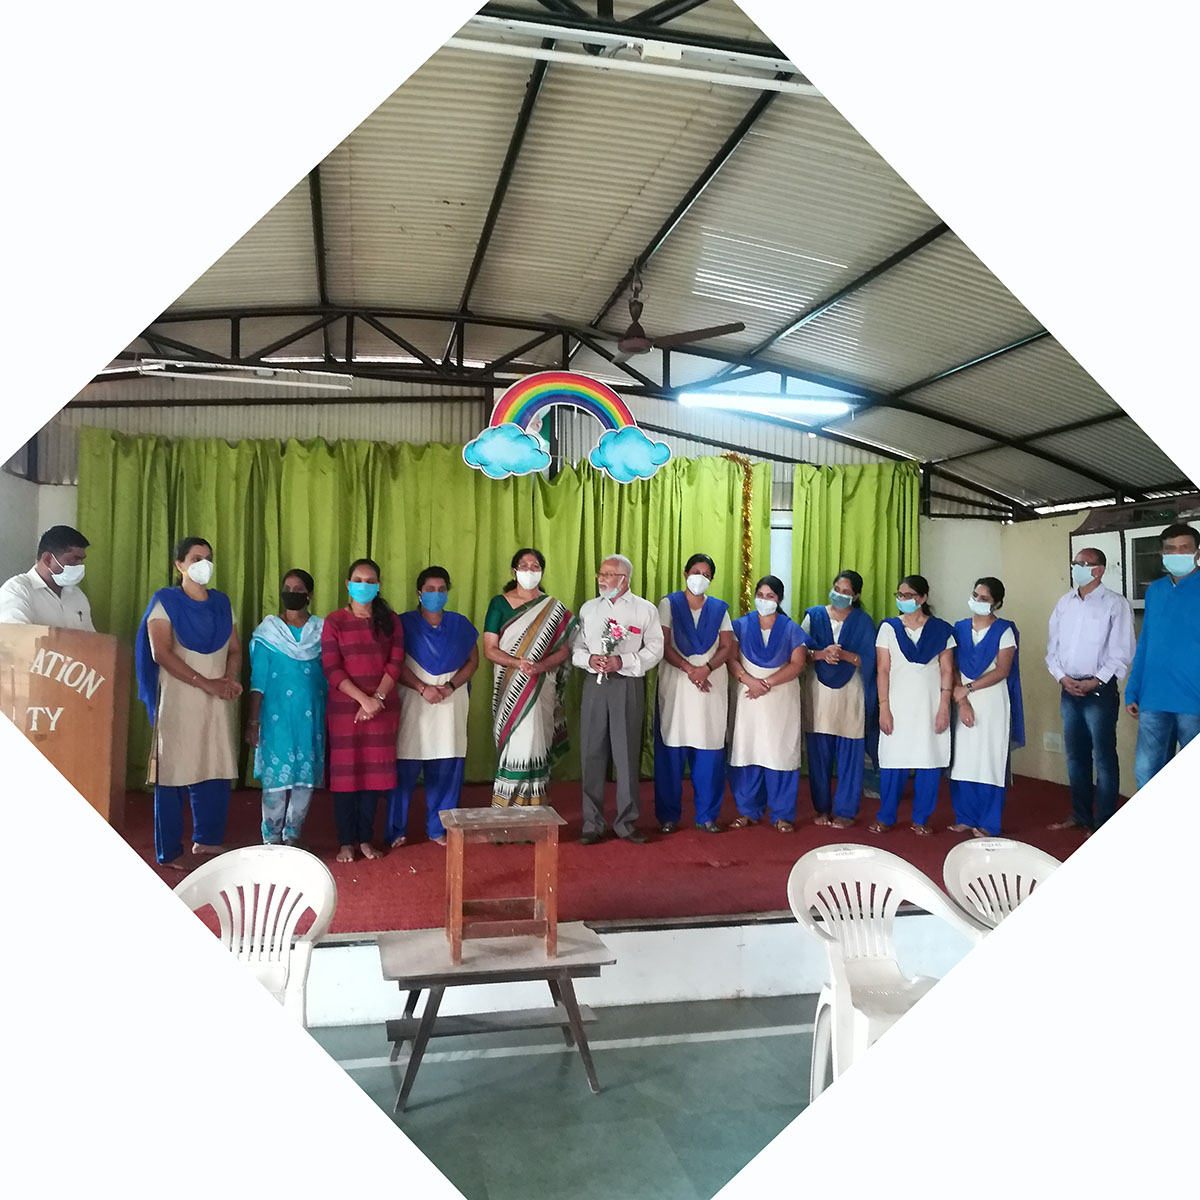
(914,674)
(440,656)
(693,699)
(764,759)
(188,660)
(990,717)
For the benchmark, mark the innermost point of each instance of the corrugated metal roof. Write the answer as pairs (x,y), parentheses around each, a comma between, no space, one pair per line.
(910,433)
(936,309)
(1025,478)
(803,206)
(272,263)
(409,189)
(1120,449)
(1036,387)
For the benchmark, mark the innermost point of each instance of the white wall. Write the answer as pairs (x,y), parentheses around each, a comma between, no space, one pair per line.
(19,527)
(955,553)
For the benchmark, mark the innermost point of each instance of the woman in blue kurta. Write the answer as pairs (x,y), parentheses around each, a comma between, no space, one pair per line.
(286,720)
(840,699)
(764,759)
(693,699)
(440,657)
(915,674)
(991,716)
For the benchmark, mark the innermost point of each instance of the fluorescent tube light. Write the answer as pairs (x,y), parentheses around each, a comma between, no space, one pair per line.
(330,381)
(806,410)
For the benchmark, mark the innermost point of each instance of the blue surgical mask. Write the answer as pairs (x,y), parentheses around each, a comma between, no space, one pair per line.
(362,593)
(433,601)
(906,606)
(840,599)
(1081,575)
(980,608)
(1179,564)
(609,593)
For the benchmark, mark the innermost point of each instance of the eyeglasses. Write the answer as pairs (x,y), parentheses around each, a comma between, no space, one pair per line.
(611,575)
(907,596)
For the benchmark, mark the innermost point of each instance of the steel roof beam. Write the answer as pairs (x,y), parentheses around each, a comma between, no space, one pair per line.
(318,224)
(533,89)
(666,10)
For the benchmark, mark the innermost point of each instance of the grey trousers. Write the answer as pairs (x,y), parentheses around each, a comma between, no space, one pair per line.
(611,727)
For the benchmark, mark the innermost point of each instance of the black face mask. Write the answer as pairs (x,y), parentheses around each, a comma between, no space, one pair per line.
(294,600)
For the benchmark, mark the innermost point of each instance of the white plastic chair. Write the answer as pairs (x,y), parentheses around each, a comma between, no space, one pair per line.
(989,877)
(855,892)
(260,894)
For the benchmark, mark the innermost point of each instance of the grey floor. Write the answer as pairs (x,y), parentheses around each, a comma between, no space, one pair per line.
(690,1093)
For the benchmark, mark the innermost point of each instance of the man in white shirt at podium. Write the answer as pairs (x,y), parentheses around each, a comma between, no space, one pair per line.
(48,593)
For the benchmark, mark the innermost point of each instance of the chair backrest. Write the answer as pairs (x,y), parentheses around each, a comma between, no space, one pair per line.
(855,892)
(260,895)
(989,877)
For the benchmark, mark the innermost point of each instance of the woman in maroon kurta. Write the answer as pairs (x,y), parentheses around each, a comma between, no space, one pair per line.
(362,647)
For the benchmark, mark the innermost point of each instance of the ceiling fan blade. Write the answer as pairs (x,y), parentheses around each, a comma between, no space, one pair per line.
(605,335)
(698,335)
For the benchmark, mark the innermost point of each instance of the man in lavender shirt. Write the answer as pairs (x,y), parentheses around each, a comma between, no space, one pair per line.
(1090,648)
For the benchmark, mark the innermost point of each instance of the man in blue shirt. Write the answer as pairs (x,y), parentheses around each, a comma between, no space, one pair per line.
(1163,691)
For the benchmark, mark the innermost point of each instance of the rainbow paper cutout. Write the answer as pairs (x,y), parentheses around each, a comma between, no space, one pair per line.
(506,447)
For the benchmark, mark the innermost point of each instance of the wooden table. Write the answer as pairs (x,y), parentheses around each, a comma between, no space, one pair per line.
(419,959)
(491,918)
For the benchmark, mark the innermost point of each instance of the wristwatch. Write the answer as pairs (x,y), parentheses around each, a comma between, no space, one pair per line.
(971,686)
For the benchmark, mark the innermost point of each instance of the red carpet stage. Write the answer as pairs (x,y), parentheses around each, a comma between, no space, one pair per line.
(685,874)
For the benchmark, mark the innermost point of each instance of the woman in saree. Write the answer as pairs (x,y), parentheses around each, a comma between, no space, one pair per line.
(526,635)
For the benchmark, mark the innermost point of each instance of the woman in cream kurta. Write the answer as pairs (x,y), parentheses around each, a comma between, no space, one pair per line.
(693,699)
(188,658)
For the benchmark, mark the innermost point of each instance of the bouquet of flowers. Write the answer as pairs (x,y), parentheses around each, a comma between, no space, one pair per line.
(611,637)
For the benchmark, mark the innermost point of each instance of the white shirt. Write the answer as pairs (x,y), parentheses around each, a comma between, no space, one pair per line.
(29,600)
(640,652)
(1091,635)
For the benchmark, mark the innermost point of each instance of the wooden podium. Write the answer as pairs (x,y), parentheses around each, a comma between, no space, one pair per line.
(68,692)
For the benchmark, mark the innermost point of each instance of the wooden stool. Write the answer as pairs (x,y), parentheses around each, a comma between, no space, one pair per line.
(536,914)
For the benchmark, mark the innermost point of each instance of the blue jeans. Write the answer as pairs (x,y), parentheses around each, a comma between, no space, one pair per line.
(1157,734)
(1090,739)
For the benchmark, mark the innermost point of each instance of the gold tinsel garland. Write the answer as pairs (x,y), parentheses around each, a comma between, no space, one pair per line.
(747,527)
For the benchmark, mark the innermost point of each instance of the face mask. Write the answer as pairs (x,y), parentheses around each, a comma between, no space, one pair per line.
(201,572)
(363,593)
(67,576)
(840,599)
(433,601)
(529,579)
(906,606)
(765,607)
(609,593)
(697,584)
(1081,576)
(294,601)
(980,608)
(1179,564)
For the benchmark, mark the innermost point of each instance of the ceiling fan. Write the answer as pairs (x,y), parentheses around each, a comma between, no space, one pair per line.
(635,340)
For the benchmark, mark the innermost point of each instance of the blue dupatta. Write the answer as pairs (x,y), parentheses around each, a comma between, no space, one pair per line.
(203,626)
(695,637)
(785,636)
(935,633)
(974,660)
(439,648)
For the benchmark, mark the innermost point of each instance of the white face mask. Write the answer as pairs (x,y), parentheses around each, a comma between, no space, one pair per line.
(201,571)
(529,579)
(766,608)
(697,584)
(67,576)
(980,608)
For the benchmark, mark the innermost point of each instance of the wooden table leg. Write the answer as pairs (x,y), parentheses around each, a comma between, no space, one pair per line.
(454,892)
(572,1005)
(556,992)
(428,1017)
(410,1007)
(545,886)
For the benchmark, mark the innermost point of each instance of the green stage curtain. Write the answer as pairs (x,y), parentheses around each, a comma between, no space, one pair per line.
(863,518)
(318,506)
